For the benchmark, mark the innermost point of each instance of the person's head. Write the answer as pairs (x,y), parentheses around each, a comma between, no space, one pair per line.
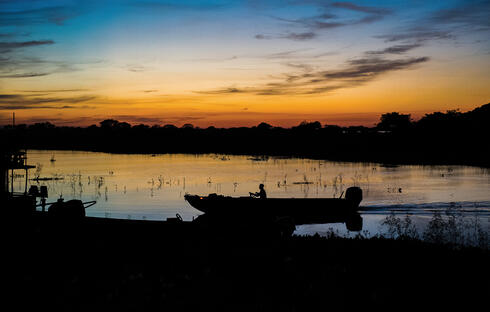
(261,186)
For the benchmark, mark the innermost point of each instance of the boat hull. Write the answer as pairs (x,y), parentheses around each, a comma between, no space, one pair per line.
(301,210)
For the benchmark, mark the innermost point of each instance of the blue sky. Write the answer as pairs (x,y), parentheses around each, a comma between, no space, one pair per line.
(238,62)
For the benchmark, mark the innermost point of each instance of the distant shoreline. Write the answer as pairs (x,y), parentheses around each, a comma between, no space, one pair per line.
(451,138)
(387,163)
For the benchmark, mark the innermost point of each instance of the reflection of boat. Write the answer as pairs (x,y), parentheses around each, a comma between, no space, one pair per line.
(300,210)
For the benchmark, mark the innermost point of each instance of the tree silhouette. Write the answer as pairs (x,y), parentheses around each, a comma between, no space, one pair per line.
(394,121)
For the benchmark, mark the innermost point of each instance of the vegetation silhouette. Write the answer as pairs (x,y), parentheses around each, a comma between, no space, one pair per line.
(95,264)
(82,264)
(452,137)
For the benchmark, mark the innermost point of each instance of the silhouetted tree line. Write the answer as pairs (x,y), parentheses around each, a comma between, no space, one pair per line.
(452,137)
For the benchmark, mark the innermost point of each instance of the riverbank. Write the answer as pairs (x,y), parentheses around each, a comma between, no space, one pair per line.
(148,266)
(451,138)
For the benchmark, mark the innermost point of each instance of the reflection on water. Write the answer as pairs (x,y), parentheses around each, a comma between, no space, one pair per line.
(153,186)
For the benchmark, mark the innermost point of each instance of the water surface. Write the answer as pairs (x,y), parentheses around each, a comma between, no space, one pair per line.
(153,186)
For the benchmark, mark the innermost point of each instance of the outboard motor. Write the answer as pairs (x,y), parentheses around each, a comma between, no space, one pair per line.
(72,209)
(354,194)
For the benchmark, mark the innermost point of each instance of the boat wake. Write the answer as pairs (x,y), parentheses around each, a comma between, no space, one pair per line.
(481,208)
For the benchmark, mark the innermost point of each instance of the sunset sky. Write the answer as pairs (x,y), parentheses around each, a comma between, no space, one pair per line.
(238,63)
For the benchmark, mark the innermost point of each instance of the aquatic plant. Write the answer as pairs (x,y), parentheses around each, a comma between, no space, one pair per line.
(400,228)
(451,229)
(39,168)
(456,230)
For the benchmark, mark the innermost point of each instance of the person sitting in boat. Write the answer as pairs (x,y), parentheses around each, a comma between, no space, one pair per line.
(261,193)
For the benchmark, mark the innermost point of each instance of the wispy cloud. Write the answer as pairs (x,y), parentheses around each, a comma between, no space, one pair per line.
(366,69)
(444,24)
(14,66)
(53,91)
(6,35)
(354,73)
(328,21)
(179,5)
(7,48)
(56,14)
(137,68)
(304,67)
(396,49)
(137,119)
(23,44)
(22,101)
(292,36)
(474,14)
(417,35)
(286,54)
(364,9)
(23,75)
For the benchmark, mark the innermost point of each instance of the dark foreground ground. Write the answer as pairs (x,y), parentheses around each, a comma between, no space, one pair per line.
(98,264)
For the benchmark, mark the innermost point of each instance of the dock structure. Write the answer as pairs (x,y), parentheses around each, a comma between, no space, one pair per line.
(10,161)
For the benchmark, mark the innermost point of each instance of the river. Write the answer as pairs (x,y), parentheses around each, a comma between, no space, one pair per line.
(152,187)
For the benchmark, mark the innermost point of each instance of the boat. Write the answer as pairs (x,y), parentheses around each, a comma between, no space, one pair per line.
(300,210)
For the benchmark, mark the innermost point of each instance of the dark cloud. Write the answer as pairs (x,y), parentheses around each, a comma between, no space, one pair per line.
(214,59)
(417,35)
(230,90)
(53,91)
(324,25)
(359,8)
(58,121)
(23,44)
(474,14)
(57,15)
(261,36)
(285,54)
(396,49)
(445,24)
(166,6)
(301,66)
(355,73)
(136,119)
(21,106)
(369,19)
(327,16)
(313,22)
(137,68)
(324,89)
(22,67)
(22,101)
(292,36)
(368,68)
(327,20)
(23,75)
